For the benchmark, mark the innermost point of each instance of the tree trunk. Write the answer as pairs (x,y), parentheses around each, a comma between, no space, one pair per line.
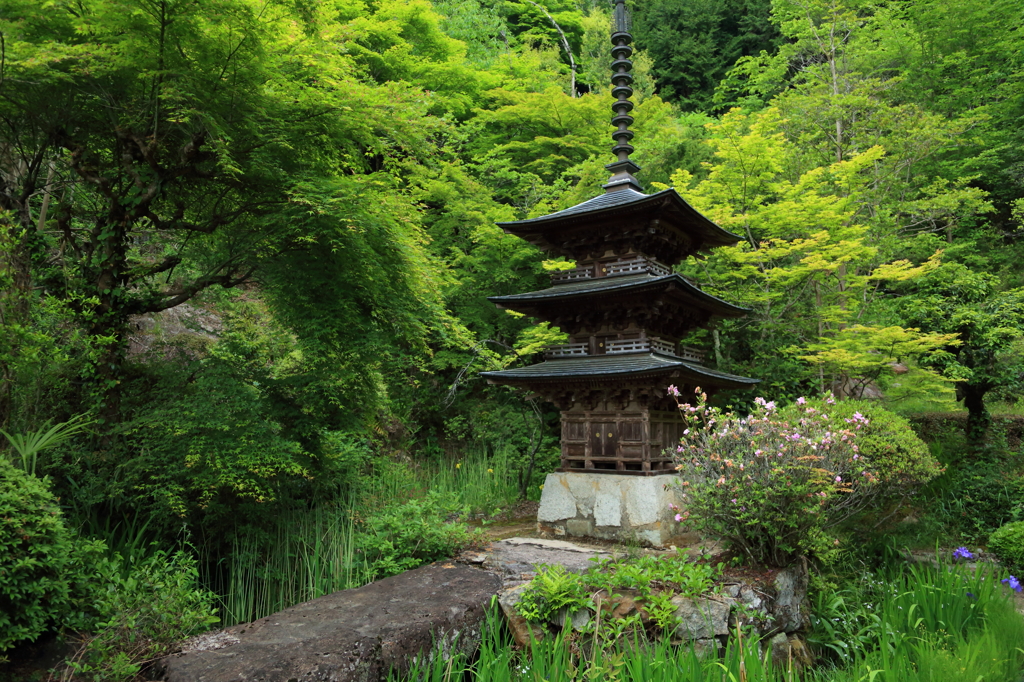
(978,418)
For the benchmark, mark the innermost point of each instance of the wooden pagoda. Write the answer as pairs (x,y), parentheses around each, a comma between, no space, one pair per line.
(623,308)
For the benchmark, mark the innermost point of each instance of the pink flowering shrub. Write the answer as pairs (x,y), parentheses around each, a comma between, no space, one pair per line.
(772,486)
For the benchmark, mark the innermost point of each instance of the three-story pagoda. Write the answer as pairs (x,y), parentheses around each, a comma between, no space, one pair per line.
(624,310)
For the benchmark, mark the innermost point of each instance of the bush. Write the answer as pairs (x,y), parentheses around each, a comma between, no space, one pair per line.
(35,550)
(901,460)
(147,608)
(1007,544)
(411,534)
(771,485)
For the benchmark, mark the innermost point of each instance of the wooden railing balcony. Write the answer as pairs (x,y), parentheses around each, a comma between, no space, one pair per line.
(562,276)
(568,350)
(691,355)
(635,266)
(650,345)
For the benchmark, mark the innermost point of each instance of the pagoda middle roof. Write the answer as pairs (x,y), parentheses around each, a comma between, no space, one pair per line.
(621,204)
(626,284)
(618,366)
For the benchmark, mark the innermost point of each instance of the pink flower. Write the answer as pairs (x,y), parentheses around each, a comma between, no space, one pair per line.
(673,391)
(839,479)
(679,517)
(801,400)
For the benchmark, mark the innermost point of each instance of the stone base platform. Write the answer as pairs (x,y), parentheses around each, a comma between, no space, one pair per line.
(612,507)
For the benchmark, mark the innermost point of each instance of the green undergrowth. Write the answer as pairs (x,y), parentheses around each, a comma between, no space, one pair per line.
(905,623)
(399,517)
(653,579)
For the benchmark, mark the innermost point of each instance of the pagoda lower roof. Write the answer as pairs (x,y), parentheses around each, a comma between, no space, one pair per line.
(619,366)
(613,210)
(643,284)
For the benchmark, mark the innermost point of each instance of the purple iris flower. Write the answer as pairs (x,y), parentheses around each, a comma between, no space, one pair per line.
(1013,583)
(962,553)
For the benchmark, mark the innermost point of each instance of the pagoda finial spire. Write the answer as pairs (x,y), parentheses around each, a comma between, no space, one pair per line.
(622,169)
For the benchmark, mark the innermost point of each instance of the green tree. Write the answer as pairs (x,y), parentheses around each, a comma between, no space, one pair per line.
(199,146)
(693,44)
(987,322)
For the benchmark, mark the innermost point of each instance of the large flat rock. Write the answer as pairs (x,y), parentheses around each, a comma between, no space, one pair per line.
(357,635)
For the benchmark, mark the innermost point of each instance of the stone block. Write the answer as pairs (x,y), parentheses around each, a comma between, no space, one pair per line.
(790,609)
(579,527)
(584,491)
(643,501)
(610,506)
(556,500)
(352,635)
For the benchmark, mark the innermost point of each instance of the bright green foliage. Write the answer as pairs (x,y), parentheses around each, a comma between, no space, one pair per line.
(988,325)
(205,145)
(884,608)
(1007,544)
(552,589)
(403,536)
(35,556)
(904,624)
(814,261)
(146,607)
(676,573)
(29,445)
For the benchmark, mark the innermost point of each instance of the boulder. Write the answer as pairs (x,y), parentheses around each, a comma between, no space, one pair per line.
(790,653)
(790,611)
(523,631)
(359,635)
(702,618)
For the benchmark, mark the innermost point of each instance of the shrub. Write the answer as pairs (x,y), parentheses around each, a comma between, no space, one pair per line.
(1007,544)
(35,549)
(901,460)
(148,607)
(404,536)
(771,485)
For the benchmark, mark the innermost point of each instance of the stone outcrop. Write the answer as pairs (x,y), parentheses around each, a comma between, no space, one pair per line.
(702,618)
(352,635)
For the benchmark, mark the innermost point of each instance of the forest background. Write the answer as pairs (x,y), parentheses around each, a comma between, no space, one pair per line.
(248,244)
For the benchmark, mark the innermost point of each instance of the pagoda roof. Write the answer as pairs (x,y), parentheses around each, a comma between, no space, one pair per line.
(644,283)
(624,366)
(612,209)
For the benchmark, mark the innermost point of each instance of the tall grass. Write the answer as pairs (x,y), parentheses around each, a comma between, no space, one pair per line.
(311,552)
(475,483)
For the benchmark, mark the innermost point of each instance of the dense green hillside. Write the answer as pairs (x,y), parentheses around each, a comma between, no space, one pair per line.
(253,240)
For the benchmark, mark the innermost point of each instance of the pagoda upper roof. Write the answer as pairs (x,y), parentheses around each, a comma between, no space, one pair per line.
(614,211)
(642,284)
(624,366)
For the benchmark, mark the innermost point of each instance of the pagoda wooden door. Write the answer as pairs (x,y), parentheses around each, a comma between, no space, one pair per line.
(604,439)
